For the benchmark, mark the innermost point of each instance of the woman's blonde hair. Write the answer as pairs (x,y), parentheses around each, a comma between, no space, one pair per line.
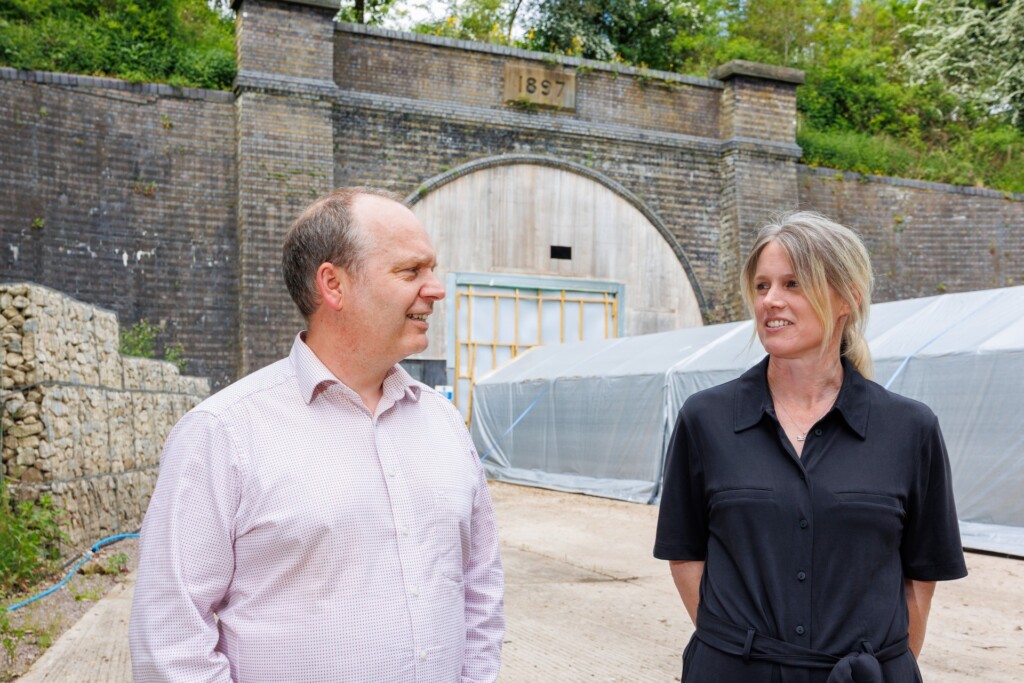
(823,254)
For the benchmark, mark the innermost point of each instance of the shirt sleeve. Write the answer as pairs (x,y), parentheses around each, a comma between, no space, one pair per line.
(930,549)
(484,587)
(186,557)
(682,532)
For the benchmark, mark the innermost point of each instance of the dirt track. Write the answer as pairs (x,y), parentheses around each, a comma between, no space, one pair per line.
(587,602)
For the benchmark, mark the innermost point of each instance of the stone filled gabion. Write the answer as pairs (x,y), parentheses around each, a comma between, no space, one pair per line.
(80,421)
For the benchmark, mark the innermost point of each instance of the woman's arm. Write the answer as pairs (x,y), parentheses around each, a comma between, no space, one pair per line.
(919,603)
(687,574)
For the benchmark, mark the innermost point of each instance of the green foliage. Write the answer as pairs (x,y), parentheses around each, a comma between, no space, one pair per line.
(975,49)
(660,34)
(485,21)
(117,563)
(30,538)
(181,42)
(175,354)
(10,636)
(988,156)
(363,11)
(140,340)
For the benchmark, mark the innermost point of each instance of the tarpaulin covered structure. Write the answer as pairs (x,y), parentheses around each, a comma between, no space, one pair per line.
(595,417)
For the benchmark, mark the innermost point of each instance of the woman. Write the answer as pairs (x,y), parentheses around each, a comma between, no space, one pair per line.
(806,511)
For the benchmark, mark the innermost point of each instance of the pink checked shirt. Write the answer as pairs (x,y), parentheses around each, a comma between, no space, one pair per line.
(293,536)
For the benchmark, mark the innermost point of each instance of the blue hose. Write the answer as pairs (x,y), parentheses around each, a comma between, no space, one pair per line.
(88,556)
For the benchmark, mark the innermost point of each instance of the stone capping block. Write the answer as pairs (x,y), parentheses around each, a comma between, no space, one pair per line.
(80,421)
(544,57)
(151,89)
(768,72)
(334,5)
(831,173)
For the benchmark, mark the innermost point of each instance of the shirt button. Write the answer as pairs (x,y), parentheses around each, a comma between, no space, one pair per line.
(423,655)
(403,530)
(803,523)
(817,432)
(391,474)
(800,630)
(801,576)
(415,592)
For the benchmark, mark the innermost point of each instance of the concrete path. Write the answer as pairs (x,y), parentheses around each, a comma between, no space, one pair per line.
(95,648)
(586,602)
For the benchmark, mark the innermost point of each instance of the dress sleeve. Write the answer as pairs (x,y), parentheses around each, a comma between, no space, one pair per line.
(930,549)
(484,588)
(186,557)
(682,520)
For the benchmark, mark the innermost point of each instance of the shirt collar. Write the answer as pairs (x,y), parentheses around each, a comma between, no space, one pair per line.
(753,400)
(313,376)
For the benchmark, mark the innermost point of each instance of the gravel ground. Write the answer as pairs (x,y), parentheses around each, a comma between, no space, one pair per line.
(587,603)
(34,627)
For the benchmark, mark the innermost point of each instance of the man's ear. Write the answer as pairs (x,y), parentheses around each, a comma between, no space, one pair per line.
(331,283)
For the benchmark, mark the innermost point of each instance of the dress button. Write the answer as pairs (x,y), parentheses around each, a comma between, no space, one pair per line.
(803,523)
(801,576)
(817,432)
(799,630)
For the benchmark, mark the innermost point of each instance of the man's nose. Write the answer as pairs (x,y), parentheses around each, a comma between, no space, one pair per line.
(432,288)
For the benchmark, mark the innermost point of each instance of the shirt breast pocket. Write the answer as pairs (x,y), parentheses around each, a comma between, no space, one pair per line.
(874,518)
(879,502)
(453,512)
(740,497)
(732,513)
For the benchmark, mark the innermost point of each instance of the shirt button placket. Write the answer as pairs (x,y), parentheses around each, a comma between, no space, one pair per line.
(401,510)
(801,572)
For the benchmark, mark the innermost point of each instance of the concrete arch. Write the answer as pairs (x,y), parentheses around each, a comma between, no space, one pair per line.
(501,216)
(438,181)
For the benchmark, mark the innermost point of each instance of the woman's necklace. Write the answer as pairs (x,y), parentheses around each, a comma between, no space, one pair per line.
(803,436)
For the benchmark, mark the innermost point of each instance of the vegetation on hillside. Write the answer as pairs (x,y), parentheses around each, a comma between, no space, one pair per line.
(929,89)
(181,42)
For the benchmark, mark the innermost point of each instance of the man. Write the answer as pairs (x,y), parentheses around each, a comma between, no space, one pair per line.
(326,518)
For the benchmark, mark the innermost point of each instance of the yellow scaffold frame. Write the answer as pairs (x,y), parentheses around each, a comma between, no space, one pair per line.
(608,300)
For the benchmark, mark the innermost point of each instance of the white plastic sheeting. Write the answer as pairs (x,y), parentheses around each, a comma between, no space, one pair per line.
(595,417)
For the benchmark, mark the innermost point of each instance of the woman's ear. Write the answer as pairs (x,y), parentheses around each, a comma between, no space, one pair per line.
(330,284)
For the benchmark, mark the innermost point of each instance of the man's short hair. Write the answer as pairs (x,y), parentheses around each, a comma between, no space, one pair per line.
(325,232)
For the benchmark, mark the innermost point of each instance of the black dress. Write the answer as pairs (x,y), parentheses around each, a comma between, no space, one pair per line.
(810,551)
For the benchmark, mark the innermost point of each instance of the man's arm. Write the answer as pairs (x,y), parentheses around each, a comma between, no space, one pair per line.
(186,558)
(485,587)
(919,603)
(687,575)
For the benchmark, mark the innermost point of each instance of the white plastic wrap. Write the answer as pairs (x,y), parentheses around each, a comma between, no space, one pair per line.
(595,417)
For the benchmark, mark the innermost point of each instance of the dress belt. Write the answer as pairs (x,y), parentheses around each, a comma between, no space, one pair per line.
(856,667)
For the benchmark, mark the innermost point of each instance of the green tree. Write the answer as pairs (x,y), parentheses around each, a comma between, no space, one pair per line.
(365,11)
(652,33)
(976,49)
(486,21)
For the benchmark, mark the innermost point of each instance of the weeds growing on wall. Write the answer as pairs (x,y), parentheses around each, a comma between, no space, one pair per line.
(140,340)
(30,538)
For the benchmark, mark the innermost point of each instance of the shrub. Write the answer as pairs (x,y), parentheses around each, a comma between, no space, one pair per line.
(139,340)
(30,538)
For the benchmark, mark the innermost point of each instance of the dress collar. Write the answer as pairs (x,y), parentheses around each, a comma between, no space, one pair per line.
(313,376)
(753,400)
